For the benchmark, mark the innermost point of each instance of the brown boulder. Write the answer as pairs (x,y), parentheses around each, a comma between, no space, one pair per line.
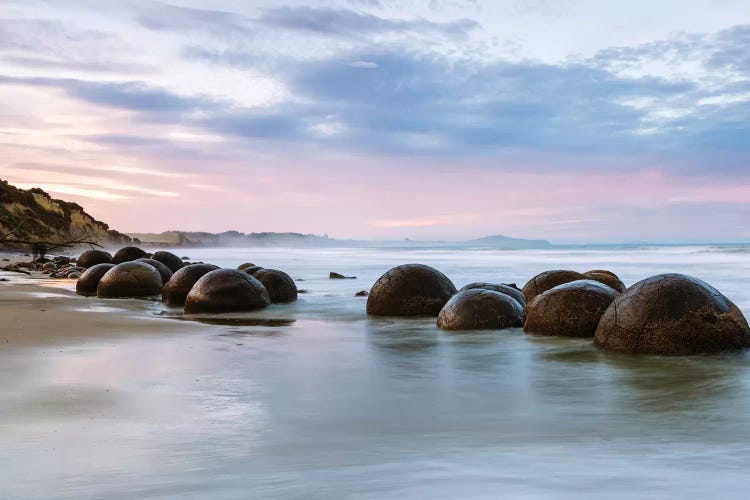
(608,278)
(672,314)
(510,290)
(128,254)
(481,309)
(130,279)
(246,265)
(410,290)
(280,285)
(226,290)
(548,279)
(569,310)
(164,271)
(179,285)
(93,257)
(173,262)
(89,280)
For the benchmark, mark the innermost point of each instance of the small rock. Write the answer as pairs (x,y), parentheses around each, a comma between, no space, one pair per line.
(361,293)
(337,276)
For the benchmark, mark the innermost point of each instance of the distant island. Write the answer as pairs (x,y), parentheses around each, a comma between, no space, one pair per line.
(271,239)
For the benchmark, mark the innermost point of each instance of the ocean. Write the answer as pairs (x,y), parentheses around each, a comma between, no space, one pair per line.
(316,400)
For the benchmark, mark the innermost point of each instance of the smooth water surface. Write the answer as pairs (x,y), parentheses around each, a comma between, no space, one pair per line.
(316,400)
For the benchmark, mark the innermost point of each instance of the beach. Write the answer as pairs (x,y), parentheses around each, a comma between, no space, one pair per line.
(126,398)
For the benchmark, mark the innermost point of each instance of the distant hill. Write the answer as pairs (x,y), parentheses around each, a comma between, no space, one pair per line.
(34,215)
(500,241)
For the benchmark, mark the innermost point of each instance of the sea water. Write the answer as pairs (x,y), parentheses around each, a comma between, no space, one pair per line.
(316,400)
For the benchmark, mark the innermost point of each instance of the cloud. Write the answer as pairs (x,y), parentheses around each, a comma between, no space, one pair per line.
(345,22)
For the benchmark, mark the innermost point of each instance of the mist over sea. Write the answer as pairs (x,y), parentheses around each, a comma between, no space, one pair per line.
(326,403)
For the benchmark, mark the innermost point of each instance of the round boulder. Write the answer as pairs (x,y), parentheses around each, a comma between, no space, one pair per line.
(548,279)
(93,257)
(130,279)
(672,314)
(244,266)
(481,309)
(179,285)
(128,254)
(280,285)
(569,310)
(173,262)
(509,290)
(410,290)
(608,278)
(164,271)
(252,270)
(226,290)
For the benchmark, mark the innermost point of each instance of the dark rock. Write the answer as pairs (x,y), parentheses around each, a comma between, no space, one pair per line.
(128,254)
(164,271)
(185,258)
(337,276)
(226,290)
(6,260)
(546,280)
(252,270)
(280,285)
(62,260)
(672,314)
(608,278)
(410,290)
(509,289)
(73,275)
(302,290)
(569,310)
(130,279)
(49,267)
(181,282)
(481,309)
(361,293)
(246,265)
(89,280)
(173,262)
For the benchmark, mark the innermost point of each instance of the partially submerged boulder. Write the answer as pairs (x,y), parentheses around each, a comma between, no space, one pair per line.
(672,314)
(481,309)
(280,285)
(176,290)
(130,279)
(338,276)
(507,289)
(226,290)
(608,278)
(410,290)
(548,279)
(128,254)
(89,280)
(164,271)
(569,310)
(244,266)
(173,262)
(93,257)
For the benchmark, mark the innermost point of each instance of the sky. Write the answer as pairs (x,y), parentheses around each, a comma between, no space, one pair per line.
(570,120)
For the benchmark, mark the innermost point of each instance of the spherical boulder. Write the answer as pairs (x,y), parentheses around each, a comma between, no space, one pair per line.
(128,254)
(93,257)
(672,314)
(252,270)
(608,278)
(130,279)
(226,290)
(173,262)
(480,309)
(569,310)
(164,271)
(410,290)
(89,280)
(280,285)
(548,279)
(509,290)
(244,266)
(177,288)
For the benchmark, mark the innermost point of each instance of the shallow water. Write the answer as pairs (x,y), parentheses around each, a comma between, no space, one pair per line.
(315,400)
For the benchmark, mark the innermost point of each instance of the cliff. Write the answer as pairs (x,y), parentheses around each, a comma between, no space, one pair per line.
(34,215)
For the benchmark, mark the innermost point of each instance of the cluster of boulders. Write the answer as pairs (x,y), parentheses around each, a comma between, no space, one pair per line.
(199,287)
(57,267)
(665,314)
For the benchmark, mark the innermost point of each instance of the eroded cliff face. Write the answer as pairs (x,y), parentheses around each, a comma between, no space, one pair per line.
(35,215)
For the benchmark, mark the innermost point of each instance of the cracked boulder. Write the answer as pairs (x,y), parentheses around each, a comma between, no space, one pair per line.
(481,309)
(226,290)
(607,277)
(128,254)
(176,290)
(410,290)
(548,279)
(280,285)
(672,314)
(93,257)
(89,280)
(569,310)
(130,279)
(164,271)
(510,290)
